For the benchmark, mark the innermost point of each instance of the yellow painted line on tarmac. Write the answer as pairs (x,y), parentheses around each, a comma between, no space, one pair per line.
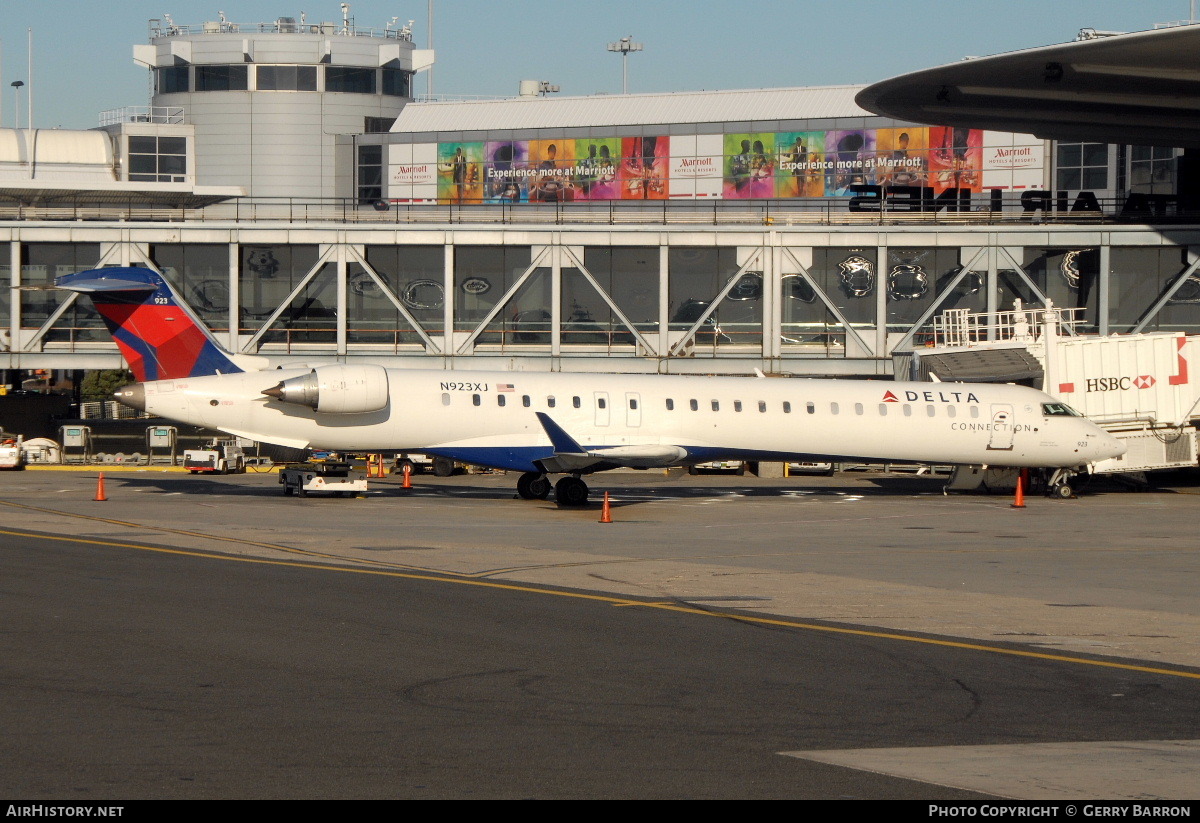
(237,541)
(625,601)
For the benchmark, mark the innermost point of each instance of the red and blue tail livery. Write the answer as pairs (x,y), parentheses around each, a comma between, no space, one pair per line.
(157,335)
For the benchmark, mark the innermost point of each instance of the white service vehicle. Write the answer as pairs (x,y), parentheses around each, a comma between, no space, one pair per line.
(12,456)
(217,457)
(337,478)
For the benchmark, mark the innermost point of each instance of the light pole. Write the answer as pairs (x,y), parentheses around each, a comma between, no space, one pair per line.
(624,46)
(16,84)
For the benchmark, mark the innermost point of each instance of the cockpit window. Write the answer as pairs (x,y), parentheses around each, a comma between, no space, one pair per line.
(1059,410)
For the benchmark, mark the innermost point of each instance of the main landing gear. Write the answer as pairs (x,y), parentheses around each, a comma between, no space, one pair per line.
(570,491)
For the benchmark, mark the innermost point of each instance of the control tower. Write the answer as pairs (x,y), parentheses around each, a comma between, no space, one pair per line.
(276,106)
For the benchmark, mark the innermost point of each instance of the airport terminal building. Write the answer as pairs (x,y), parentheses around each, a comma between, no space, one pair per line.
(306,208)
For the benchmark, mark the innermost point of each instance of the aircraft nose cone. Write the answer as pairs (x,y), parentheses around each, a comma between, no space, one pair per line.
(133,396)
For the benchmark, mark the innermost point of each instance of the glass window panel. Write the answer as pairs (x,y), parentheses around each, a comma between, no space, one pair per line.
(171,145)
(40,264)
(267,274)
(350,79)
(221,78)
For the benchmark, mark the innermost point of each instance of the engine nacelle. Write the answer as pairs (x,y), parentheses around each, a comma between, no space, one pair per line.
(336,389)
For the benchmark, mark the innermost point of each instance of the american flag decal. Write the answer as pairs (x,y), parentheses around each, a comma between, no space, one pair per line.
(504,387)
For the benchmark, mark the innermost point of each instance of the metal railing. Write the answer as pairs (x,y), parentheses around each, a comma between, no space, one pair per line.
(963,327)
(172,115)
(817,211)
(284,25)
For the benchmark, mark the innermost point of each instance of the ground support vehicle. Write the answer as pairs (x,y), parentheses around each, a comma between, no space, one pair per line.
(217,457)
(335,478)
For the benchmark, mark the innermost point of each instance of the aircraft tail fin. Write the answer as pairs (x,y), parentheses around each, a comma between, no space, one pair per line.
(158,336)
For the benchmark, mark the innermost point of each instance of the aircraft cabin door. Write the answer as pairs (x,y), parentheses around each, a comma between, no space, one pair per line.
(1002,427)
(602,410)
(633,409)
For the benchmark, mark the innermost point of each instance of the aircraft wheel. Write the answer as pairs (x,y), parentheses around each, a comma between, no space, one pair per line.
(1063,492)
(443,467)
(571,491)
(533,486)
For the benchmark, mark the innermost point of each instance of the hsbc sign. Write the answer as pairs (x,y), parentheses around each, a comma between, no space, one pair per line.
(1100,384)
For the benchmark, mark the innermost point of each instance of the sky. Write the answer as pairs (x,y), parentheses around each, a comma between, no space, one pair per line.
(82,49)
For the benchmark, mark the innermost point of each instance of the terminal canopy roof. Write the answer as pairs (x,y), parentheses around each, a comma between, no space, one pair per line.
(1141,88)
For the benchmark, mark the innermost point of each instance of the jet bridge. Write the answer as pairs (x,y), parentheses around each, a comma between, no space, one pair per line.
(1141,388)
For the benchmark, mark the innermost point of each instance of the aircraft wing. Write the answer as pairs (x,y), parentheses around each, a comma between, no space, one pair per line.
(569,456)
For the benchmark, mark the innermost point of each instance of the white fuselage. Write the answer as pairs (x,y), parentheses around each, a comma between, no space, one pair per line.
(488,418)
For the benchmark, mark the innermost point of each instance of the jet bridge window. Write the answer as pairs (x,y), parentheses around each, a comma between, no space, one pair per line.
(1059,410)
(445,398)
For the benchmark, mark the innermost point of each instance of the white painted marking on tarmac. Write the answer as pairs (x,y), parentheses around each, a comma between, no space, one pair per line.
(1136,770)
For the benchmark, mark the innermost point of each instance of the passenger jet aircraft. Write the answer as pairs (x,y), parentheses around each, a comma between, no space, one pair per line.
(572,424)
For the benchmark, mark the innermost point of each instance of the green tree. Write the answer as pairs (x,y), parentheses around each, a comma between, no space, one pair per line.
(100,385)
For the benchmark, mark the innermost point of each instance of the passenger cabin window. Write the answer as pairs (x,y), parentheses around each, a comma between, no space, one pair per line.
(633,403)
(974,411)
(951,411)
(445,398)
(576,402)
(907,410)
(716,406)
(931,411)
(811,408)
(550,402)
(499,400)
(787,407)
(694,404)
(883,409)
(525,400)
(762,405)
(670,404)
(1059,410)
(833,408)
(737,405)
(858,408)
(600,403)
(476,400)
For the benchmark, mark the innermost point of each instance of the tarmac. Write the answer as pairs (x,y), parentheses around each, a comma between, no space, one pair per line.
(1110,574)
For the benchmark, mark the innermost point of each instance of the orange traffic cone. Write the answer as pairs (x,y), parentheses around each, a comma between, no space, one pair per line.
(1022,479)
(606,511)
(407,476)
(100,489)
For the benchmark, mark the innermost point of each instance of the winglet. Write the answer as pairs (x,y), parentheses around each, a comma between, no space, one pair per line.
(563,443)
